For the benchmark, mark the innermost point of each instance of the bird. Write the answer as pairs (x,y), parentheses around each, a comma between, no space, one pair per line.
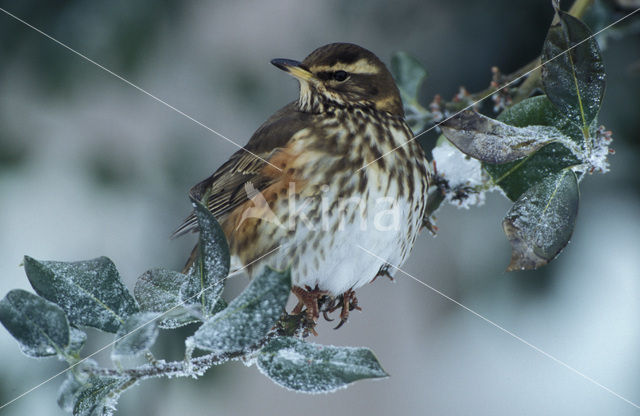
(328,177)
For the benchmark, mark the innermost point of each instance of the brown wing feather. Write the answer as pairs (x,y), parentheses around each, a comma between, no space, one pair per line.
(226,185)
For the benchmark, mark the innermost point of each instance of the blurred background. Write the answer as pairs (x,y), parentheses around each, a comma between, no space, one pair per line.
(90,166)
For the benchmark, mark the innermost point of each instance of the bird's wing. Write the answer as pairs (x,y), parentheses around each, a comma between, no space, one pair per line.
(226,187)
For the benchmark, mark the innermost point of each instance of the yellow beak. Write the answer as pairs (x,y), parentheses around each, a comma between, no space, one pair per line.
(295,68)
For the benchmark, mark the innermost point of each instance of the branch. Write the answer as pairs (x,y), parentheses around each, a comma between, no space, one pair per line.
(287,325)
(531,80)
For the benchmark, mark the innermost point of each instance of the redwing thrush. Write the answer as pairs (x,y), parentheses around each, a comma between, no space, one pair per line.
(312,204)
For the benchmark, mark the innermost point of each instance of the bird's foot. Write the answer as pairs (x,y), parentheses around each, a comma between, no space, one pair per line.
(345,302)
(383,272)
(308,299)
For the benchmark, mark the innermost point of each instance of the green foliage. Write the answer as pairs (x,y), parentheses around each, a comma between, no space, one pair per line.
(516,177)
(40,327)
(573,74)
(159,290)
(538,149)
(206,276)
(137,335)
(90,292)
(313,368)
(409,75)
(494,142)
(248,317)
(99,395)
(541,221)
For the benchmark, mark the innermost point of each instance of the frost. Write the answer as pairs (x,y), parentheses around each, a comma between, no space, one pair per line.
(206,276)
(574,81)
(158,290)
(515,178)
(313,368)
(137,335)
(463,174)
(248,317)
(40,327)
(540,223)
(68,391)
(492,141)
(291,355)
(77,338)
(99,396)
(90,291)
(597,160)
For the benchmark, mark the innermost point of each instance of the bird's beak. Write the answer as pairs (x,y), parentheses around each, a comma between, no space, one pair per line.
(295,68)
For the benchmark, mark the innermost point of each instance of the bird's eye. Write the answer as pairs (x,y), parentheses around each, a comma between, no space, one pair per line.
(340,76)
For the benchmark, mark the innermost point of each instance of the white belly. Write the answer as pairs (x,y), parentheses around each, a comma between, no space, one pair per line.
(370,232)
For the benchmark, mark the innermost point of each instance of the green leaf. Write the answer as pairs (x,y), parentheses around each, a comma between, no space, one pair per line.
(248,317)
(99,396)
(574,81)
(540,223)
(206,277)
(495,142)
(514,178)
(314,368)
(137,335)
(90,291)
(158,290)
(539,111)
(40,327)
(409,75)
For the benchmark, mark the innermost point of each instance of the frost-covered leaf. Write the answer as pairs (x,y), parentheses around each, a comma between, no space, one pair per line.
(314,368)
(206,277)
(540,223)
(514,178)
(68,391)
(77,338)
(99,395)
(492,141)
(40,327)
(137,335)
(574,81)
(90,292)
(539,111)
(158,290)
(409,75)
(74,381)
(248,317)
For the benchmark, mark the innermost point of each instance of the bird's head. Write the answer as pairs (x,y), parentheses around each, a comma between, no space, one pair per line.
(343,75)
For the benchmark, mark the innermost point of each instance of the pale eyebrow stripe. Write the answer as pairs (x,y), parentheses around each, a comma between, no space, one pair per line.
(362,66)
